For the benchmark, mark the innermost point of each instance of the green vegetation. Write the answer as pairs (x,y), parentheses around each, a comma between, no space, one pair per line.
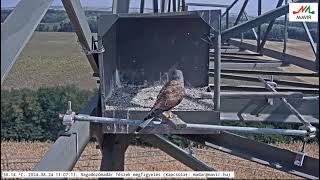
(33,114)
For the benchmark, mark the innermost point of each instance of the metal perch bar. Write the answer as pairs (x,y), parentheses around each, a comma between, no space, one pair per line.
(190,128)
(248,129)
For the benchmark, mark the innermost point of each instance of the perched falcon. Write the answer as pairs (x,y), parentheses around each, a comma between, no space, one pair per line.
(170,95)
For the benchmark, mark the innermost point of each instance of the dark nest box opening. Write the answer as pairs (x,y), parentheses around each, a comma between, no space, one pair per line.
(142,48)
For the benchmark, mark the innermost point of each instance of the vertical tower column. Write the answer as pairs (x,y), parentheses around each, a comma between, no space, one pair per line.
(259,27)
(217,65)
(120,6)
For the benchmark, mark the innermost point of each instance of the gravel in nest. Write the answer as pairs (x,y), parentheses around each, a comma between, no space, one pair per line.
(130,97)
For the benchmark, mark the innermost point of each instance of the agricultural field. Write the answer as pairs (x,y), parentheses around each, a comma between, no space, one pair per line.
(25,155)
(51,59)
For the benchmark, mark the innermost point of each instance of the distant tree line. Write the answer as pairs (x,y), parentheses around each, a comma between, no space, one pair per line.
(58,21)
(295,30)
(277,32)
(33,114)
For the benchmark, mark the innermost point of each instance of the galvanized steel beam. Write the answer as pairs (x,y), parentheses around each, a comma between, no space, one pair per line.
(217,64)
(227,20)
(275,118)
(241,12)
(155,6)
(17,30)
(174,5)
(264,72)
(249,130)
(176,152)
(259,26)
(265,154)
(263,89)
(245,26)
(317,56)
(285,38)
(81,27)
(265,37)
(241,53)
(229,7)
(287,104)
(245,57)
(128,126)
(311,41)
(266,17)
(113,152)
(169,5)
(64,153)
(253,95)
(253,30)
(247,65)
(141,6)
(120,6)
(164,4)
(246,60)
(289,59)
(256,79)
(183,5)
(207,5)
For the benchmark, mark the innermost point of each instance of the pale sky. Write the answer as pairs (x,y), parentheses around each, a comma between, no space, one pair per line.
(251,8)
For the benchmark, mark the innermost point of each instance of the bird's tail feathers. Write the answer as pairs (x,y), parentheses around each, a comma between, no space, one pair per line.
(148,119)
(153,113)
(148,116)
(143,125)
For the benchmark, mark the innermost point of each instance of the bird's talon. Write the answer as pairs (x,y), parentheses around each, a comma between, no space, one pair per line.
(166,115)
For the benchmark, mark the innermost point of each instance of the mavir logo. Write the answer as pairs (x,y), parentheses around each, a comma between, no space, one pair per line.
(304,9)
(303,12)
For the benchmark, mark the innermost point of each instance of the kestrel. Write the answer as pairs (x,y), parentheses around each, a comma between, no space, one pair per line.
(170,95)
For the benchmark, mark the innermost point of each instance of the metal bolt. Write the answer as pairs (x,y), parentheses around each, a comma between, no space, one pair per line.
(69,107)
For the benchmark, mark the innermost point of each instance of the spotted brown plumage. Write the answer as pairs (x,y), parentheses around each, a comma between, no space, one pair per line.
(170,95)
